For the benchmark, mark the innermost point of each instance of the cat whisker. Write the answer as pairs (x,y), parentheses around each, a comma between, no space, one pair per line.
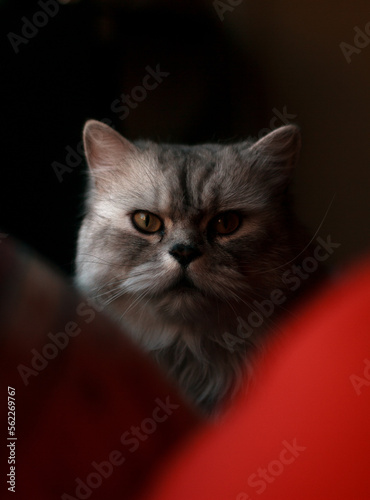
(107,292)
(308,244)
(134,302)
(115,296)
(111,282)
(100,260)
(146,302)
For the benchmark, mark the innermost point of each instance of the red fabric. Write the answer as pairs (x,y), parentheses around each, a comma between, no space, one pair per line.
(304,433)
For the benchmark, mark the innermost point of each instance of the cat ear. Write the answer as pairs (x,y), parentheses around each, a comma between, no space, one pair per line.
(276,154)
(106,151)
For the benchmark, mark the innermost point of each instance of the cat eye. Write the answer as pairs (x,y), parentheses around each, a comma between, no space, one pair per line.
(146,222)
(226,223)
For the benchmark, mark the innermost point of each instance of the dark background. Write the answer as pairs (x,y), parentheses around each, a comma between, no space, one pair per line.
(228,78)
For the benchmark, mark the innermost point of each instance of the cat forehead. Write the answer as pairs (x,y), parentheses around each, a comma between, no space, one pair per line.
(193,156)
(185,177)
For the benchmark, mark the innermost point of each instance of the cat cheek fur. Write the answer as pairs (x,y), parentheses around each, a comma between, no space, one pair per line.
(135,275)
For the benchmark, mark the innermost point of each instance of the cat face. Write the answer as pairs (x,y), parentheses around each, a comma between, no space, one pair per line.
(184,235)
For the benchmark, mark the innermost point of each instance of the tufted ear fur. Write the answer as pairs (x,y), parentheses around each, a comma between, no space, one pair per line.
(276,154)
(106,152)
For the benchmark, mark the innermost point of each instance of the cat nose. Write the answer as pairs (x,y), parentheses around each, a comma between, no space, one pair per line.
(184,254)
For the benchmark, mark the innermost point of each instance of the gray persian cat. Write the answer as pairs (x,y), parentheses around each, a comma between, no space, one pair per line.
(187,246)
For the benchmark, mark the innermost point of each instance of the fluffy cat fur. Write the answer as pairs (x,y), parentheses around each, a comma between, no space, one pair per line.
(183,291)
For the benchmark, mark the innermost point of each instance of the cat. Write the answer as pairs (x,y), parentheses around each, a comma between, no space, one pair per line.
(182,243)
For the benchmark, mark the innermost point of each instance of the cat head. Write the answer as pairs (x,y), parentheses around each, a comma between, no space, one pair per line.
(184,235)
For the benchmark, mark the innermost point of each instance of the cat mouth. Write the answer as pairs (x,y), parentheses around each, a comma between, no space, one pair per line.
(183,285)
